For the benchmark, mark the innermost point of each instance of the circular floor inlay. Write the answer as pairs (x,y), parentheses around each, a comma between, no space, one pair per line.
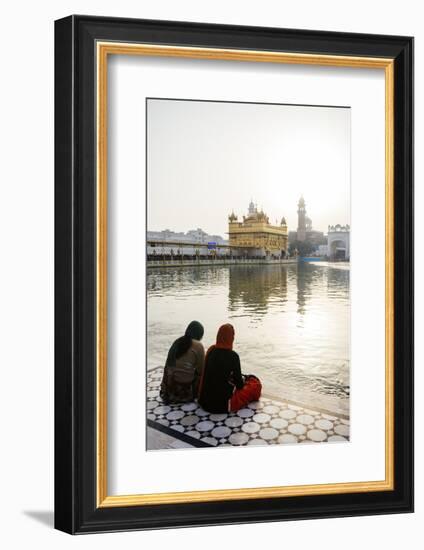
(218,417)
(245,413)
(193,433)
(201,412)
(163,409)
(151,404)
(251,427)
(189,407)
(297,429)
(205,426)
(239,438)
(234,422)
(271,409)
(255,405)
(279,423)
(190,420)
(336,438)
(317,435)
(178,427)
(287,414)
(324,424)
(175,415)
(287,438)
(257,442)
(268,433)
(221,431)
(261,418)
(152,393)
(341,429)
(305,419)
(329,417)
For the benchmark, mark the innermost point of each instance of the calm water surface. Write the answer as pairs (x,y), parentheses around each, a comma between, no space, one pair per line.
(291,322)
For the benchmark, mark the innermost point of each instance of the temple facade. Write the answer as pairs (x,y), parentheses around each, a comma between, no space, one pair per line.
(255,236)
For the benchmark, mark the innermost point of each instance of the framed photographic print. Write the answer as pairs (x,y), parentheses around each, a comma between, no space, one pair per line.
(234,269)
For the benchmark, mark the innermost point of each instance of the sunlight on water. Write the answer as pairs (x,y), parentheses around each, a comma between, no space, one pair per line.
(291,322)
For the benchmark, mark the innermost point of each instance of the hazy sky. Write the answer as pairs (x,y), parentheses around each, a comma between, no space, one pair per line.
(206,159)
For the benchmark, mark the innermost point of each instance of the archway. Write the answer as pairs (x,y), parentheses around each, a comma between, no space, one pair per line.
(338,250)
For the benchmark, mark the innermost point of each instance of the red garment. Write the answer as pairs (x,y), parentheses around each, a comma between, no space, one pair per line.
(224,340)
(251,391)
(225,337)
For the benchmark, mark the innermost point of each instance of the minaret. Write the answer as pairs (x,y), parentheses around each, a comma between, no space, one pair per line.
(252,208)
(301,220)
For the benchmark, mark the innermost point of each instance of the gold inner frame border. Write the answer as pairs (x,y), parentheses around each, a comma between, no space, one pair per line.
(103,50)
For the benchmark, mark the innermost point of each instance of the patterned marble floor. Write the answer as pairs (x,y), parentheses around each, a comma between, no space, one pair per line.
(263,422)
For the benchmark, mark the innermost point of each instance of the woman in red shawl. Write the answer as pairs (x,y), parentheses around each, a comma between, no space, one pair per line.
(223,388)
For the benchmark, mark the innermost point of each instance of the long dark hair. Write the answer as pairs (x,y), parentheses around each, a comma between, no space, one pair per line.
(181,345)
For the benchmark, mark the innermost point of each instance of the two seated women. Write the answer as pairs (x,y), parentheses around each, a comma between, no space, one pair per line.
(215,380)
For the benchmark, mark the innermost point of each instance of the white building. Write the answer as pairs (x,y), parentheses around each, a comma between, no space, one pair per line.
(195,237)
(339,242)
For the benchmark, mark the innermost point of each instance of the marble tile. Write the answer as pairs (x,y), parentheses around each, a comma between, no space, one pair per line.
(342,429)
(305,419)
(251,427)
(297,429)
(221,432)
(317,435)
(271,409)
(190,420)
(278,423)
(337,438)
(268,433)
(218,417)
(234,422)
(264,422)
(240,438)
(175,415)
(257,442)
(205,426)
(324,424)
(287,438)
(261,418)
(287,414)
(245,413)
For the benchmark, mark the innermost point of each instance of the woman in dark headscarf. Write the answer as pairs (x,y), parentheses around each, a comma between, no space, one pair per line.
(223,388)
(184,366)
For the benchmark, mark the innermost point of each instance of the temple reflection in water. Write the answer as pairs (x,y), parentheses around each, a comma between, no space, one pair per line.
(254,289)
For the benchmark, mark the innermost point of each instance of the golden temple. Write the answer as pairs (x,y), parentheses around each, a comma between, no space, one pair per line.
(256,236)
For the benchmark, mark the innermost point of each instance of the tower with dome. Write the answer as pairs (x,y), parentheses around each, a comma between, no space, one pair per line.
(305,233)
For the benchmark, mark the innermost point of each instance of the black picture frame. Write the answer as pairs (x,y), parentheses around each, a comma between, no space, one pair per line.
(76,509)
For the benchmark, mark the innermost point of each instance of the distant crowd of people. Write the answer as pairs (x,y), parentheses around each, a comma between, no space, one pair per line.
(206,257)
(213,379)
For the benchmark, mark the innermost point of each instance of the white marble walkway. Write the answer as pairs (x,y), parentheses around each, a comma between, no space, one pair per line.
(264,422)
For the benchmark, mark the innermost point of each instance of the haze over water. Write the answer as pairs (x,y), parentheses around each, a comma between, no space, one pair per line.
(292,322)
